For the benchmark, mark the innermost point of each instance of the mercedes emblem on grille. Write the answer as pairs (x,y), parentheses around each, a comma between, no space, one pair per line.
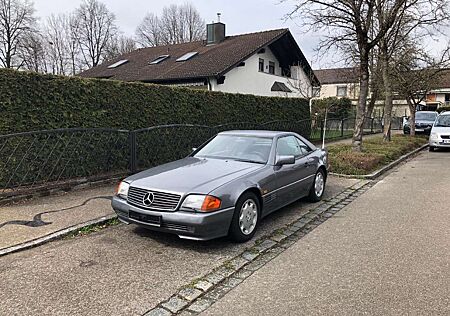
(148,198)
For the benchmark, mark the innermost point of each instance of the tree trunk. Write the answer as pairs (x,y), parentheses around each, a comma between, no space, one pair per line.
(362,101)
(388,103)
(372,102)
(412,117)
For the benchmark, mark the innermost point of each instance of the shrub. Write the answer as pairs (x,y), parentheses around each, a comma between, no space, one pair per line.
(337,107)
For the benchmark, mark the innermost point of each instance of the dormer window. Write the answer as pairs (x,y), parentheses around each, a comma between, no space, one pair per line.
(159,59)
(117,64)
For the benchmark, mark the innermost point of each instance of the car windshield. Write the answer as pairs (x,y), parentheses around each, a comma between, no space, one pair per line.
(236,147)
(443,121)
(425,116)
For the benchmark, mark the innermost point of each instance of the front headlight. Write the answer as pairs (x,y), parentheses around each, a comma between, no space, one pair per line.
(122,189)
(203,203)
(434,136)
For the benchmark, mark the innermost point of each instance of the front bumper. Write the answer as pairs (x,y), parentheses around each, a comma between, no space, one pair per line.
(189,225)
(439,143)
(418,130)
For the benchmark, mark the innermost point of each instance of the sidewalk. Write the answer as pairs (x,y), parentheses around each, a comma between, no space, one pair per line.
(387,253)
(28,220)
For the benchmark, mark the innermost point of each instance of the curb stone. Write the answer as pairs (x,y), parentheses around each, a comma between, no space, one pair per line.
(214,285)
(376,174)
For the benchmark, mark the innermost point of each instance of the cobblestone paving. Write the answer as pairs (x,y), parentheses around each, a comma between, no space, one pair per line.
(196,297)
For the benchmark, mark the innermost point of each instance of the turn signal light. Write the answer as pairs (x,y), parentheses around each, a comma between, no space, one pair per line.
(211,203)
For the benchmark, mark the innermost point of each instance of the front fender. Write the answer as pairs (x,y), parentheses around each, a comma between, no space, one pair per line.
(230,192)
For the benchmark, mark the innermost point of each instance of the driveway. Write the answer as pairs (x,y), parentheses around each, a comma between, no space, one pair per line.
(122,270)
(387,253)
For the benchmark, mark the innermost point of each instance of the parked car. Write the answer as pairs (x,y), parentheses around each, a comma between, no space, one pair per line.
(225,187)
(440,133)
(424,121)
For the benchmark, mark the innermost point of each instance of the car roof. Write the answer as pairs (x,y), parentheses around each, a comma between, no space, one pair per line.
(256,133)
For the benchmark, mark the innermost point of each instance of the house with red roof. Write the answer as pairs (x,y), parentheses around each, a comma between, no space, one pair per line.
(268,63)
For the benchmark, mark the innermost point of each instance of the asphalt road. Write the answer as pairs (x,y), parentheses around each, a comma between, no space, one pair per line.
(122,270)
(387,253)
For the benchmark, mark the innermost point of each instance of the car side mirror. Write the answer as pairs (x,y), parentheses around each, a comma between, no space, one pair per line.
(285,160)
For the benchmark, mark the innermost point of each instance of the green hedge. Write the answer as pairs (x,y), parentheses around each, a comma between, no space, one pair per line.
(337,107)
(30,101)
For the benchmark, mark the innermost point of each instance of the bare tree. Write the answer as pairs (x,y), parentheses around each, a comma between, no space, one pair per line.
(96,28)
(16,21)
(414,19)
(148,33)
(32,52)
(350,23)
(57,34)
(195,25)
(415,74)
(119,46)
(177,24)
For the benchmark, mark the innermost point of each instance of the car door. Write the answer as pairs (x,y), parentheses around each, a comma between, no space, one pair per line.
(290,177)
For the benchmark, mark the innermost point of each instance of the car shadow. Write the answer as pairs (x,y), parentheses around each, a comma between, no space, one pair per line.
(268,225)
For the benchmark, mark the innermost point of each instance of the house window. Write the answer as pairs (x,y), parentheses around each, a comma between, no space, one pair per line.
(316,92)
(261,65)
(271,67)
(341,91)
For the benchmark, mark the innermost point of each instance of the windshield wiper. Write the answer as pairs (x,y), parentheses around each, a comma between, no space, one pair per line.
(441,125)
(248,160)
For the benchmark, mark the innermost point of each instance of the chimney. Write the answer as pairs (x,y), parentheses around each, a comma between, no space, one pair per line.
(215,32)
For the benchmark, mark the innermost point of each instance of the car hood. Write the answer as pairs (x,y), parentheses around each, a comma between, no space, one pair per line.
(441,130)
(191,175)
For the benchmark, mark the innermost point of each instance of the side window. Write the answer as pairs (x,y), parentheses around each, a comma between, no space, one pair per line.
(288,146)
(303,147)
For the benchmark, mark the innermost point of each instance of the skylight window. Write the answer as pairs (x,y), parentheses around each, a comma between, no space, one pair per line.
(119,63)
(159,59)
(187,56)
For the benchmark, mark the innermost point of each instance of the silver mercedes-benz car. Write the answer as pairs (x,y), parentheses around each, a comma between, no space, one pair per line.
(225,187)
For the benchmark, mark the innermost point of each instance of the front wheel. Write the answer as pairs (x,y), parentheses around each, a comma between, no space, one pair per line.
(431,148)
(318,187)
(246,218)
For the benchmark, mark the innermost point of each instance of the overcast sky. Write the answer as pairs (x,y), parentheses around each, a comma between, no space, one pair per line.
(240,16)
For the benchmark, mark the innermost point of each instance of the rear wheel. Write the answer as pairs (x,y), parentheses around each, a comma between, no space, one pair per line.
(318,187)
(246,218)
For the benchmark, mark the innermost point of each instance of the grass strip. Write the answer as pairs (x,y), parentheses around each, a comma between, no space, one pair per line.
(376,154)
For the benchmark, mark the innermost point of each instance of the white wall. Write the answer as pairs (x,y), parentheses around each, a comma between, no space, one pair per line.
(330,90)
(249,80)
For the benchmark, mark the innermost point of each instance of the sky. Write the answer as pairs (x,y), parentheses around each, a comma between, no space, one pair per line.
(240,16)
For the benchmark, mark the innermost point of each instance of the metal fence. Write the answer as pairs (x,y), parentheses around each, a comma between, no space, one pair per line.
(42,159)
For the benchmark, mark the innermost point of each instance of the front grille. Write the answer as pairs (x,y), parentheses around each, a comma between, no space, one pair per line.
(445,136)
(163,201)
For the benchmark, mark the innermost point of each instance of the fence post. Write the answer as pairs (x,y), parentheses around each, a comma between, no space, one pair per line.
(371,125)
(342,128)
(133,151)
(321,128)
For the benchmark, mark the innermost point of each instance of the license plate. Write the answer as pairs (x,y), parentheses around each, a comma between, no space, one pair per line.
(145,218)
(446,141)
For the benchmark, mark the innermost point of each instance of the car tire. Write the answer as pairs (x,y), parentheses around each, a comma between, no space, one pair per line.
(318,186)
(431,148)
(246,218)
